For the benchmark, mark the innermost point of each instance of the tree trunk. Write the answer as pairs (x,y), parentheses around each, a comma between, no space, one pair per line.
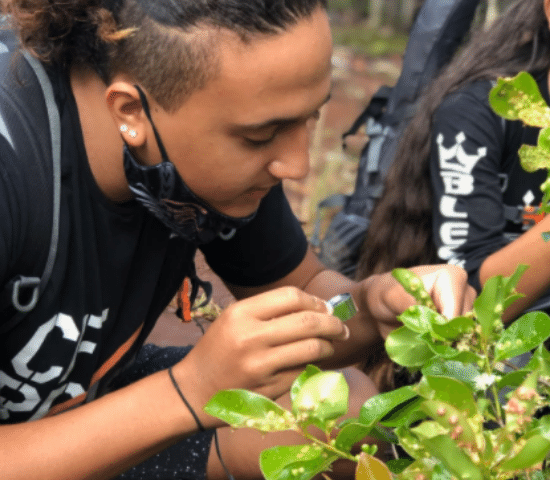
(408,8)
(491,14)
(376,10)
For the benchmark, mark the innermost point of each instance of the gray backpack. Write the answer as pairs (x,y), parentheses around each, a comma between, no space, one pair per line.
(438,30)
(29,106)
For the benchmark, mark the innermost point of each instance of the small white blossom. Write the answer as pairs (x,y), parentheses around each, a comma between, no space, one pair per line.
(484,381)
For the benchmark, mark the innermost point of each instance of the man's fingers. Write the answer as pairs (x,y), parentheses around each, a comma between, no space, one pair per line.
(303,325)
(279,302)
(298,354)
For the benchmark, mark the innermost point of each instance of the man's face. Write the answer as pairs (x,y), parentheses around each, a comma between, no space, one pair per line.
(249,128)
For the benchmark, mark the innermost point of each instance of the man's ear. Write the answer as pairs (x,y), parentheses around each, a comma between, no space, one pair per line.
(127,111)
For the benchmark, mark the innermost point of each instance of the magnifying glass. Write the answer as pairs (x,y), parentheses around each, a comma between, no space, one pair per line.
(342,306)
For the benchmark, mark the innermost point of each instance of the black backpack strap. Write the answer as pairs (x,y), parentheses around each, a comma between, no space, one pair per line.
(333,201)
(374,109)
(18,288)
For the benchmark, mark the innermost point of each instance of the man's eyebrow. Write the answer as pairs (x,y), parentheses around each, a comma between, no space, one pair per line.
(280,121)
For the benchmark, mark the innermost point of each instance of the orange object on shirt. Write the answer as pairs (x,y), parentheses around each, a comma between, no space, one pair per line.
(184,304)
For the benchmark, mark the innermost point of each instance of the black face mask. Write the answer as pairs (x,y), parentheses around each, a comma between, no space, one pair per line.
(163,192)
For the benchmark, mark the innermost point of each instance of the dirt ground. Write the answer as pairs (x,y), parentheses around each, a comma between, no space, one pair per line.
(355,80)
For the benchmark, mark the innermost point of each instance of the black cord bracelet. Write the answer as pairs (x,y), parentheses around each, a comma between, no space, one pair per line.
(176,386)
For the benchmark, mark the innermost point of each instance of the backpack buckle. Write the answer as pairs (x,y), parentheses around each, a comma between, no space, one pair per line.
(21,283)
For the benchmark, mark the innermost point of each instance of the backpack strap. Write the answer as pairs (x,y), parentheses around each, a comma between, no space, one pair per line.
(374,110)
(18,287)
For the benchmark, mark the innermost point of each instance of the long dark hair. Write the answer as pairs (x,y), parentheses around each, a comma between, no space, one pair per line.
(169,46)
(400,233)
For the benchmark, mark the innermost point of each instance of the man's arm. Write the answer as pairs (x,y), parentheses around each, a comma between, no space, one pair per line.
(379,298)
(105,437)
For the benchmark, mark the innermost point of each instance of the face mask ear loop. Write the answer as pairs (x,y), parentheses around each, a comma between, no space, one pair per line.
(145,105)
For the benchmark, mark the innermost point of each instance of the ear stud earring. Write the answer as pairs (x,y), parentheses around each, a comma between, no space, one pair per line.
(132,133)
(123,128)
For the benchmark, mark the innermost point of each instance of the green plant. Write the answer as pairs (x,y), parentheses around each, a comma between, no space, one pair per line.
(519,98)
(472,415)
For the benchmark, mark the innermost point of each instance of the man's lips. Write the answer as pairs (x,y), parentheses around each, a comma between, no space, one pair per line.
(260,191)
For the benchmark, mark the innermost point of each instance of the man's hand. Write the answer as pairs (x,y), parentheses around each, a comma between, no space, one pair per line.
(446,284)
(262,343)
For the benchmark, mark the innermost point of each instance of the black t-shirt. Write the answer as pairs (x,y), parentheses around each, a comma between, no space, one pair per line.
(117,268)
(478,182)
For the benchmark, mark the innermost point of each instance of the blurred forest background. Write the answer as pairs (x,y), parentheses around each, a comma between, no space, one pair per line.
(370,37)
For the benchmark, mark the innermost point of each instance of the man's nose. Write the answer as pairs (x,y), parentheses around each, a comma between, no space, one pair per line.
(292,161)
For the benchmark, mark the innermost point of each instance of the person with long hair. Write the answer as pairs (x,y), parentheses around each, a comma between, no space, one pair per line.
(456,191)
(179,120)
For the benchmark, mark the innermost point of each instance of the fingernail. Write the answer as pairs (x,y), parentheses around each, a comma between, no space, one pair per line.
(324,306)
(347,332)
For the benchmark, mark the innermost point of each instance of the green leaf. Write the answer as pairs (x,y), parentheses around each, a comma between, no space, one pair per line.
(543,140)
(440,349)
(350,434)
(511,299)
(244,409)
(377,407)
(448,390)
(523,335)
(420,319)
(404,414)
(489,305)
(300,380)
(497,294)
(406,348)
(467,358)
(441,473)
(534,451)
(399,464)
(294,462)
(384,434)
(323,396)
(463,372)
(454,328)
(429,429)
(542,429)
(421,468)
(453,458)
(513,379)
(540,361)
(450,418)
(511,282)
(520,98)
(533,158)
(414,286)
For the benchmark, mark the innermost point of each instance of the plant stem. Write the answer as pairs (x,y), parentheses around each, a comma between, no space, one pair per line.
(489,369)
(327,446)
(500,417)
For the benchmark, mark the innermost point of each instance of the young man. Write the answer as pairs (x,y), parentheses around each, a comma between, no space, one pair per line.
(196,111)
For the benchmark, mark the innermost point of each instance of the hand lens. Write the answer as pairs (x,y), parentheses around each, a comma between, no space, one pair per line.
(342,306)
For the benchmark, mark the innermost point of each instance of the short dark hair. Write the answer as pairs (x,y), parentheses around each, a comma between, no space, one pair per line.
(168,46)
